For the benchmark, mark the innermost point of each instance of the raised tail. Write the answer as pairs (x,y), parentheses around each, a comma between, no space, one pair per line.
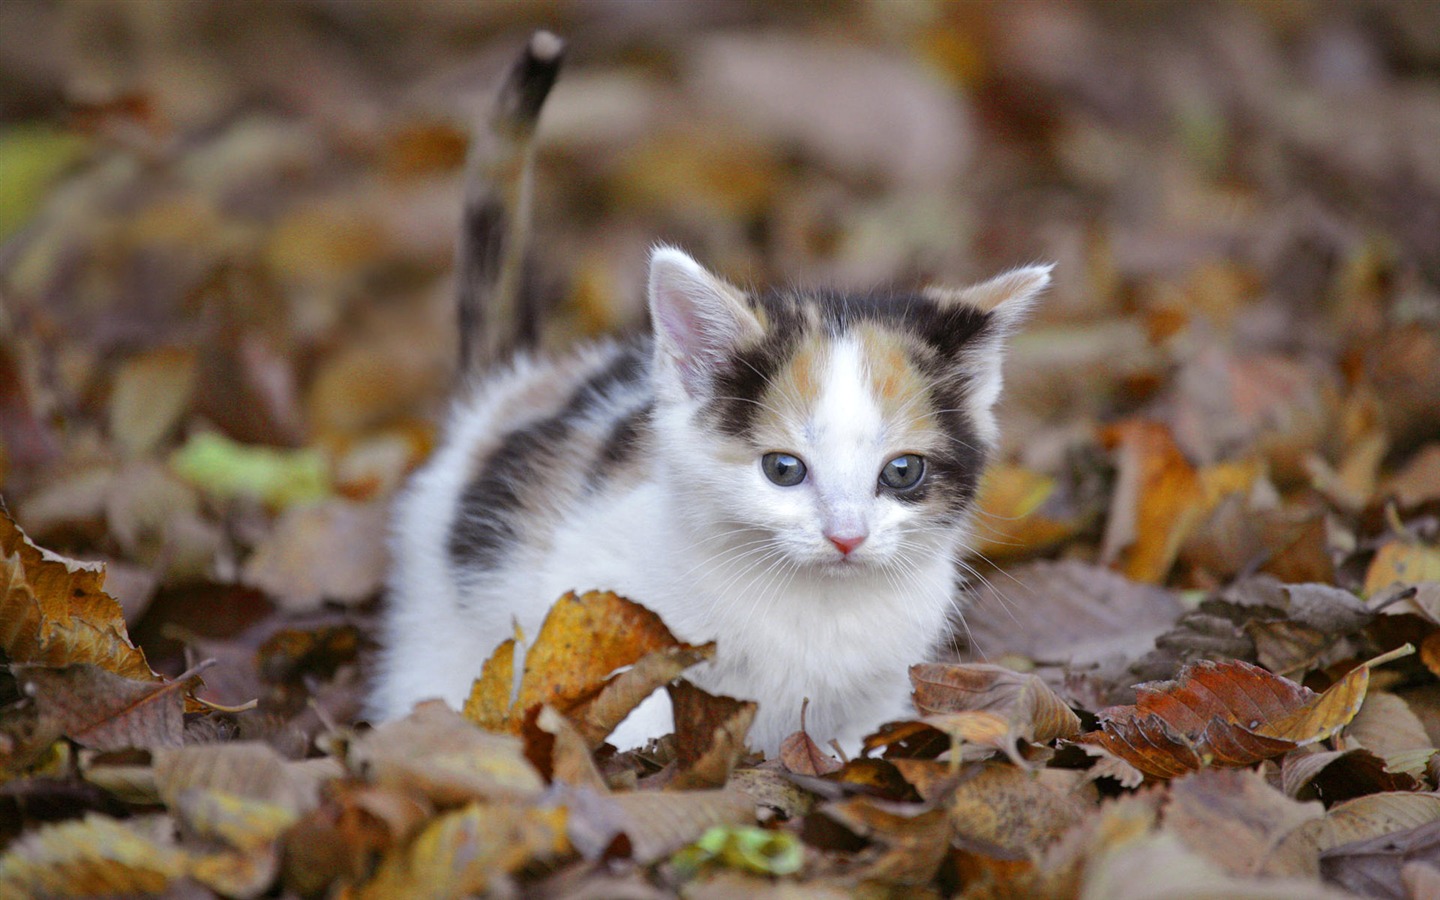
(495,309)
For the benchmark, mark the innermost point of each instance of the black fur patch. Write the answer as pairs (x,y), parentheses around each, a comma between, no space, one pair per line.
(486,521)
(629,436)
(484,232)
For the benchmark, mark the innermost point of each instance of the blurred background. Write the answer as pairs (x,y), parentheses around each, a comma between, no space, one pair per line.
(226,232)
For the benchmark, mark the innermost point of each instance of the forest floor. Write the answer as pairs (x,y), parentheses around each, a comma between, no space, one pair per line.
(1203,653)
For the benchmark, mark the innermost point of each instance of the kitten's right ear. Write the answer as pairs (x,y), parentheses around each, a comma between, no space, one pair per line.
(699,320)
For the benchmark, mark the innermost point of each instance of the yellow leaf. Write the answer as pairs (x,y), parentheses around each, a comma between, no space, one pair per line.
(458,855)
(55,612)
(97,856)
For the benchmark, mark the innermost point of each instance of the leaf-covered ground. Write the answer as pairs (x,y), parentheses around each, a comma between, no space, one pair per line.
(1203,655)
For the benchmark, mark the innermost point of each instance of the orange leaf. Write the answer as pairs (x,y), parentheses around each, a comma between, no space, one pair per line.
(583,640)
(1227,713)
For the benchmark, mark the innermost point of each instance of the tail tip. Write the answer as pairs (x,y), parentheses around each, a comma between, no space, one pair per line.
(546,46)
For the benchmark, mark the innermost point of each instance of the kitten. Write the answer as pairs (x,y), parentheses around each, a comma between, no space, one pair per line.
(789,473)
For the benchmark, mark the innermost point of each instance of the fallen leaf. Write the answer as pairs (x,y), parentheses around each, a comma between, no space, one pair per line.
(709,735)
(336,841)
(1372,868)
(1338,775)
(150,394)
(250,828)
(595,719)
(1233,818)
(1067,613)
(1388,727)
(582,641)
(659,824)
(55,612)
(332,550)
(1007,807)
(97,708)
(246,769)
(1401,562)
(464,853)
(96,856)
(800,754)
(442,756)
(569,759)
(226,469)
(1227,713)
(912,838)
(1159,499)
(1354,820)
(1027,703)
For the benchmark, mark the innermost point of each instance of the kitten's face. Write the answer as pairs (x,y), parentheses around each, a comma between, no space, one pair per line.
(848,432)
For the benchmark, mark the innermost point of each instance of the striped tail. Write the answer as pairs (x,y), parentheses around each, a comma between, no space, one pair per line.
(496,312)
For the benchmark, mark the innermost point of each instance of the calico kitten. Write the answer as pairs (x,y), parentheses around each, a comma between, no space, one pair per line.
(790,473)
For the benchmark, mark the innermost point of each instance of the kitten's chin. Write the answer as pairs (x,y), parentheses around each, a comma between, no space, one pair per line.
(843,567)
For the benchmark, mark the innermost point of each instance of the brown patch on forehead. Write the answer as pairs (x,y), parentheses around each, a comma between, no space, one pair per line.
(794,389)
(899,388)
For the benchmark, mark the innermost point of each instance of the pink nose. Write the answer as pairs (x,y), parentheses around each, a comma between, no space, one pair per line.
(846,543)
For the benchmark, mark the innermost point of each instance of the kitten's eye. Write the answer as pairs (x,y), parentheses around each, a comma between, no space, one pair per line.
(903,472)
(783,469)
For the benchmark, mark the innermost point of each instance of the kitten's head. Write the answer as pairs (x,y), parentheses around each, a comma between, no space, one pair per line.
(850,430)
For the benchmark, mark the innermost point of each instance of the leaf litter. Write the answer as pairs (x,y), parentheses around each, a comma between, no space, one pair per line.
(1216,513)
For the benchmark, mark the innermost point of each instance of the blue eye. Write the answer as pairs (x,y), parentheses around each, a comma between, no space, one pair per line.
(784,469)
(903,472)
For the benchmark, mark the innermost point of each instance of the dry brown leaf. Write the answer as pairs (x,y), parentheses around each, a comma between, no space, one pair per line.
(912,838)
(596,718)
(1354,820)
(659,823)
(150,394)
(1338,775)
(582,641)
(1026,702)
(333,550)
(1388,727)
(55,612)
(98,709)
(442,756)
(709,735)
(1159,867)
(465,853)
(1069,612)
(1233,818)
(569,759)
(1226,713)
(1372,868)
(800,754)
(243,768)
(251,828)
(335,842)
(1004,806)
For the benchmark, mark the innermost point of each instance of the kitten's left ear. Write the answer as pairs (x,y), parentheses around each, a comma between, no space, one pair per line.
(1008,297)
(699,319)
(1005,300)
